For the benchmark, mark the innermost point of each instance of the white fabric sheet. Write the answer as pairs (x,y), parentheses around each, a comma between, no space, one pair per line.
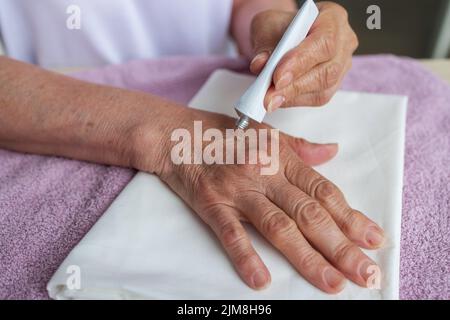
(148,244)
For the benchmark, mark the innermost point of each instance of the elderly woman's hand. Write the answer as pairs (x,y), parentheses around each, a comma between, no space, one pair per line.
(311,73)
(300,212)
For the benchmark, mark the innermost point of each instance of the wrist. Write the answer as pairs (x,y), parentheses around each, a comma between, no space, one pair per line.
(149,137)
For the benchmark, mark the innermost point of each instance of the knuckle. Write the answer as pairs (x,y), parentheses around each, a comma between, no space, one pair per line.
(336,9)
(345,253)
(231,235)
(208,200)
(296,91)
(348,221)
(312,216)
(325,191)
(243,259)
(277,225)
(354,41)
(328,44)
(293,169)
(342,12)
(258,19)
(321,98)
(308,260)
(214,211)
(331,75)
(199,178)
(264,15)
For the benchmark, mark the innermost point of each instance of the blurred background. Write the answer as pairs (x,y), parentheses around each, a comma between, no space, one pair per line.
(415,28)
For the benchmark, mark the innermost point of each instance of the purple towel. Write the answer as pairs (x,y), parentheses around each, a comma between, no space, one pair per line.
(47,204)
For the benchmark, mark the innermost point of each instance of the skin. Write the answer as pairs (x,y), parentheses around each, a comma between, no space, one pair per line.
(301,213)
(311,73)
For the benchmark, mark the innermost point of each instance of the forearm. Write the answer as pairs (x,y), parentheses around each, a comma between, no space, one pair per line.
(47,113)
(242,16)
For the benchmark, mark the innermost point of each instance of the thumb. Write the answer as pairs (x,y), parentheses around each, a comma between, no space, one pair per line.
(313,154)
(266,30)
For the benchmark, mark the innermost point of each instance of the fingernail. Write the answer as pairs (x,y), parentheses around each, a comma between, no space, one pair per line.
(333,144)
(333,279)
(333,148)
(284,81)
(259,279)
(275,103)
(374,236)
(260,56)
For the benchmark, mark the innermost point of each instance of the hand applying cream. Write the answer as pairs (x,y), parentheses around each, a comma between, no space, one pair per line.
(251,104)
(312,72)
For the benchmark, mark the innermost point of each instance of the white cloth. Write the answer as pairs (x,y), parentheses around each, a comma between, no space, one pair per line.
(148,244)
(46,32)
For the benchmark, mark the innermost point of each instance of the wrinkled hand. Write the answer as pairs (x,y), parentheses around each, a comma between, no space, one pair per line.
(311,73)
(300,212)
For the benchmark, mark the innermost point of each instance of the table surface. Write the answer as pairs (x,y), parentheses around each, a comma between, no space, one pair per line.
(439,67)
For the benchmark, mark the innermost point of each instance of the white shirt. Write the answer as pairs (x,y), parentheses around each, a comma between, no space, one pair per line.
(82,33)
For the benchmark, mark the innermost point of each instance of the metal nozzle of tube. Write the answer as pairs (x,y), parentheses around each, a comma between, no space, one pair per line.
(242,122)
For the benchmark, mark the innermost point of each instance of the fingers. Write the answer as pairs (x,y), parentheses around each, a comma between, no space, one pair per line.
(319,78)
(283,233)
(225,224)
(330,35)
(321,231)
(275,100)
(311,73)
(312,154)
(317,48)
(315,88)
(267,28)
(259,61)
(314,50)
(356,226)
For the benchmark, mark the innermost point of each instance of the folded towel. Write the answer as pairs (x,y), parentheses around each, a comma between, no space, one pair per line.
(148,234)
(48,204)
